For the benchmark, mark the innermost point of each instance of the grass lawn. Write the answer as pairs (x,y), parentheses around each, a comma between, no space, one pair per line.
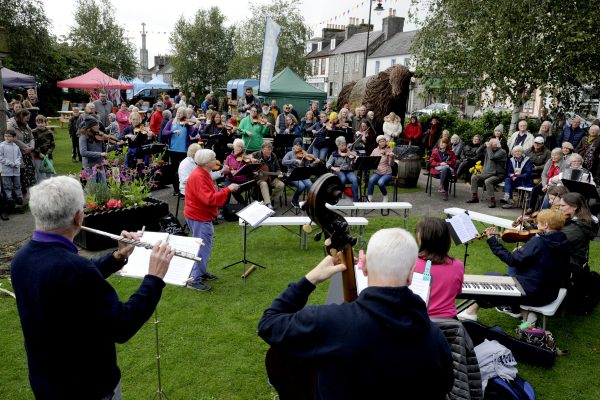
(209,346)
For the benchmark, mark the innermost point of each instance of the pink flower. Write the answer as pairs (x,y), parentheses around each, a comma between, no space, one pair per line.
(114,203)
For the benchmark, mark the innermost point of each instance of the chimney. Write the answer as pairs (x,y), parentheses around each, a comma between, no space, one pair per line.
(392,25)
(350,30)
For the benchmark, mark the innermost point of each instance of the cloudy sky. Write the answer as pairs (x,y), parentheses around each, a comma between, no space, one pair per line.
(160,16)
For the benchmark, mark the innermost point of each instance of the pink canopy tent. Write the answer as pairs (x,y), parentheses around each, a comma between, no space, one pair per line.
(94,79)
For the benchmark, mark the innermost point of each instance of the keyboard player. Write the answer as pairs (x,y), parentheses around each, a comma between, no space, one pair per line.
(536,266)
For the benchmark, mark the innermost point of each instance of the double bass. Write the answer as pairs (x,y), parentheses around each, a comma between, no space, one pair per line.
(291,377)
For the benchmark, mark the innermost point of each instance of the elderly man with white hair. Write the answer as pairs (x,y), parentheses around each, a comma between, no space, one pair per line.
(521,137)
(71,316)
(494,168)
(202,201)
(382,343)
(572,133)
(520,169)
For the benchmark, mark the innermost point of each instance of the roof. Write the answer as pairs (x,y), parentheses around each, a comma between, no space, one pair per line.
(288,84)
(12,79)
(398,44)
(326,49)
(357,42)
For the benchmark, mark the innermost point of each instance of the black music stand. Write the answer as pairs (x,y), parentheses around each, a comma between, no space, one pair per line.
(218,144)
(587,190)
(283,141)
(365,165)
(153,148)
(458,235)
(249,171)
(298,174)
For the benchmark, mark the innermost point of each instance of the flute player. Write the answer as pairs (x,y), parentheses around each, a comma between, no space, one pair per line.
(70,315)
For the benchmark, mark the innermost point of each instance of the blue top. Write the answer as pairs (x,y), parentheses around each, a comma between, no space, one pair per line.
(178,142)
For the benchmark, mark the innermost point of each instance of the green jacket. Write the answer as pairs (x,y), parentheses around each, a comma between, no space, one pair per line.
(254,141)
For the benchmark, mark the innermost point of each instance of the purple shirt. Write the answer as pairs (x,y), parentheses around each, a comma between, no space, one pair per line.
(49,237)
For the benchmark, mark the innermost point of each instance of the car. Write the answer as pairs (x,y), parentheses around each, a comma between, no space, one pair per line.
(151,95)
(434,108)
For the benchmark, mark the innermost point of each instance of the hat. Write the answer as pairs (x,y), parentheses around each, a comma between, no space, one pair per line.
(90,122)
(539,139)
(297,141)
(499,128)
(380,137)
(159,104)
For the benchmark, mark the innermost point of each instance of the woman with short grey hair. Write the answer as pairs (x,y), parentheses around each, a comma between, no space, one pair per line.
(341,163)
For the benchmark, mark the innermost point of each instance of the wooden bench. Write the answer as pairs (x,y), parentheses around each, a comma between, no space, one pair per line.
(301,221)
(484,218)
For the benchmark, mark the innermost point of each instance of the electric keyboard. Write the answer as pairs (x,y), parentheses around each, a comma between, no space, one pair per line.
(491,285)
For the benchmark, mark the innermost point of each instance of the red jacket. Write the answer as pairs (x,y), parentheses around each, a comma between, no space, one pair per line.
(201,197)
(436,159)
(413,133)
(155,122)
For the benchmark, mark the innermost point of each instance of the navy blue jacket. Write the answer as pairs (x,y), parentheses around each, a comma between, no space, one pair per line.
(72,318)
(380,346)
(570,135)
(539,264)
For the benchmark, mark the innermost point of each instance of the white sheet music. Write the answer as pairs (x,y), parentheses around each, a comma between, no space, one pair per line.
(255,213)
(463,227)
(418,285)
(179,269)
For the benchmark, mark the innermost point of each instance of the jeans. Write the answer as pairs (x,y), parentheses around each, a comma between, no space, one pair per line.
(300,186)
(320,153)
(350,177)
(75,154)
(509,185)
(381,181)
(445,175)
(204,231)
(11,186)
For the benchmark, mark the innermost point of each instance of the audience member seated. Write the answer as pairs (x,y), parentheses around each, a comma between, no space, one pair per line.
(471,154)
(383,174)
(494,168)
(551,169)
(442,163)
(538,155)
(519,174)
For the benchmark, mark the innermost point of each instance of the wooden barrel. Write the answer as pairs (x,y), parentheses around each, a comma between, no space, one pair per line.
(409,169)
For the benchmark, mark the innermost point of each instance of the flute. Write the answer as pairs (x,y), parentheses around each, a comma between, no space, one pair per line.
(138,243)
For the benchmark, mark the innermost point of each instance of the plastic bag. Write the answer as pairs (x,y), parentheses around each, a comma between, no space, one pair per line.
(46,167)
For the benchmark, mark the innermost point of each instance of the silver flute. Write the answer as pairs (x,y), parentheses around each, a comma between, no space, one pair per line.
(138,243)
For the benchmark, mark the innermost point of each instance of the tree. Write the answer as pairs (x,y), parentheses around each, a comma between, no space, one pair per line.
(512,47)
(101,40)
(250,36)
(202,49)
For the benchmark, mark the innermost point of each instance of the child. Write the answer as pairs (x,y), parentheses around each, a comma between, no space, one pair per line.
(75,154)
(10,168)
(44,146)
(447,273)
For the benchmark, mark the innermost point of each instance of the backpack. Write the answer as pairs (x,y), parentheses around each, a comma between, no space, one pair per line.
(517,389)
(585,291)
(171,225)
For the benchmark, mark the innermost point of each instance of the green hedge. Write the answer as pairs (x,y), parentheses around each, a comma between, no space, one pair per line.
(483,125)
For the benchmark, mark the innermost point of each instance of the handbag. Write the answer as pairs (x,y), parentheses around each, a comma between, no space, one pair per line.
(46,167)
(528,333)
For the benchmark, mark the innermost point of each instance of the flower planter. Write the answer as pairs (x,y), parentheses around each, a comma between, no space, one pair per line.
(116,220)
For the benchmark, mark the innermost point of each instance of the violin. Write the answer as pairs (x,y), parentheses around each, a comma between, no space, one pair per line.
(526,221)
(350,154)
(294,378)
(218,166)
(141,128)
(104,137)
(303,155)
(513,235)
(260,120)
(243,157)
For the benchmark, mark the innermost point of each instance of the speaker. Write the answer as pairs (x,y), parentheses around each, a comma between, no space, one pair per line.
(233,94)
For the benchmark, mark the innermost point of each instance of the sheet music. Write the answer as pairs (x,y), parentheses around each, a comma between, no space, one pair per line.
(255,213)
(420,287)
(179,269)
(463,227)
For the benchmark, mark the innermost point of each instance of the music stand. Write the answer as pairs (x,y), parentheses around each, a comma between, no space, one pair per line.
(586,189)
(283,141)
(253,215)
(298,174)
(248,171)
(365,165)
(462,231)
(154,148)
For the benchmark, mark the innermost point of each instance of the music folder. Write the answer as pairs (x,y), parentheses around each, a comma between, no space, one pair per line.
(418,286)
(462,228)
(255,213)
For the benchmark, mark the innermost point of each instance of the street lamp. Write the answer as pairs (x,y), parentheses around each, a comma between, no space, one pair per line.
(378,10)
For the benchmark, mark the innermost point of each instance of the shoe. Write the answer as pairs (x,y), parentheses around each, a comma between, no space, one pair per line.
(503,200)
(425,172)
(270,206)
(445,198)
(441,190)
(4,216)
(473,200)
(463,316)
(73,160)
(199,286)
(508,310)
(19,201)
(370,198)
(295,204)
(175,194)
(209,277)
(508,206)
(492,204)
(385,199)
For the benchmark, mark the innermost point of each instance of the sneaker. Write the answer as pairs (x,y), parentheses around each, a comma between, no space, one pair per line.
(295,204)
(445,198)
(270,206)
(209,277)
(4,216)
(463,316)
(503,200)
(508,310)
(473,201)
(199,286)
(508,206)
(492,205)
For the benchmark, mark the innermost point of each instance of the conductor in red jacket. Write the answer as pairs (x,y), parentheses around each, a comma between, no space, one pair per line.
(442,164)
(202,201)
